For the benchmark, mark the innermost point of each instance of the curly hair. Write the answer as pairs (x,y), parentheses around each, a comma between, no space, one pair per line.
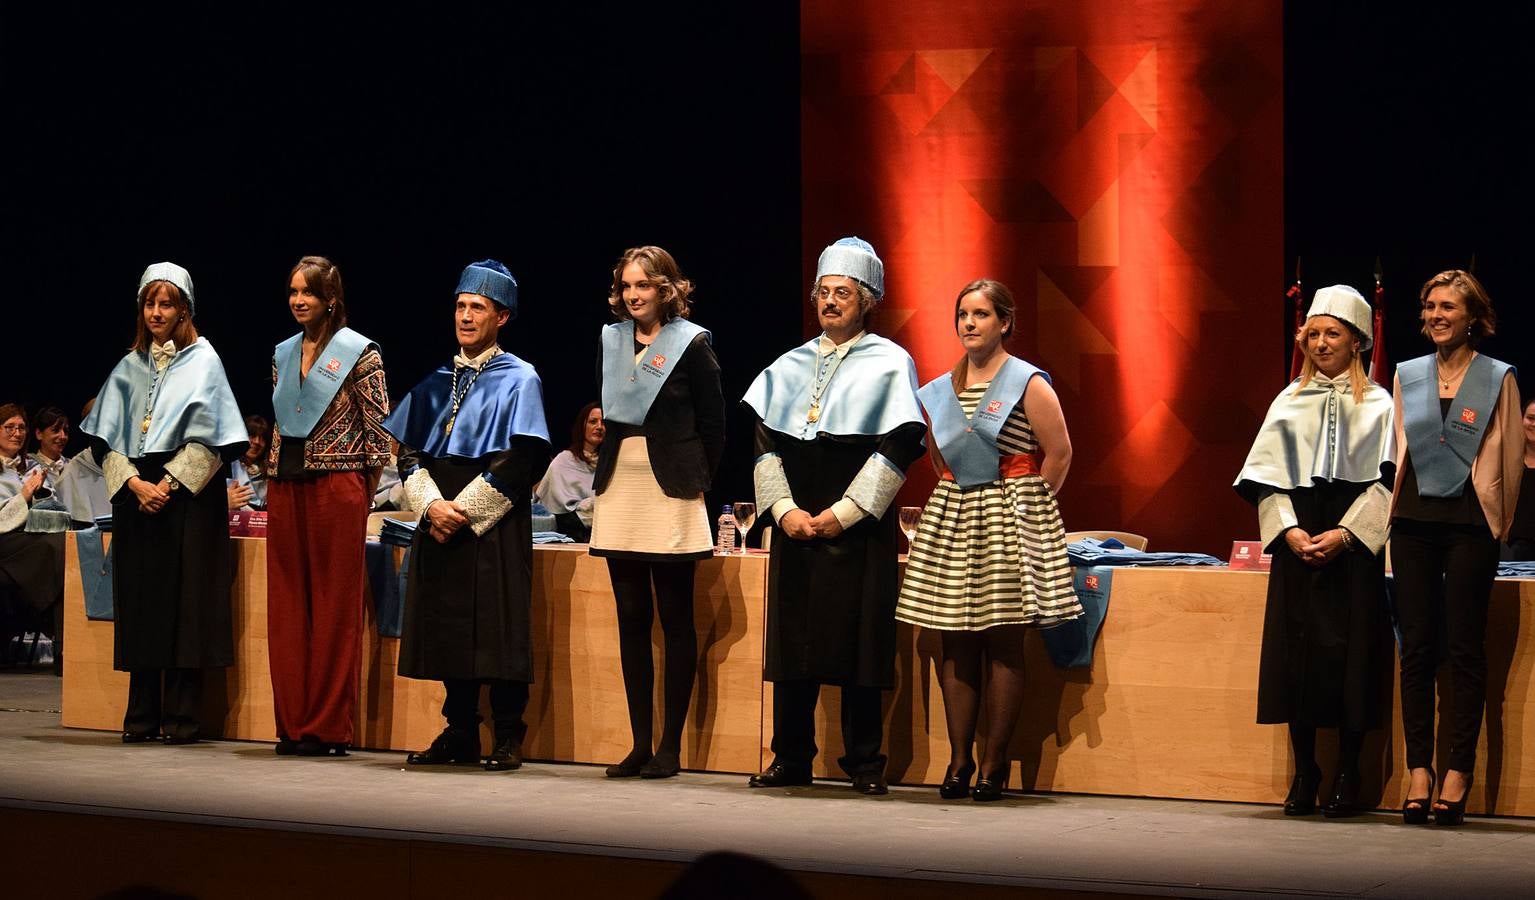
(660,268)
(1465,287)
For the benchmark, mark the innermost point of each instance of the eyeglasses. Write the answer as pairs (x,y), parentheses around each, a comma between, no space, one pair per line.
(14,429)
(843,294)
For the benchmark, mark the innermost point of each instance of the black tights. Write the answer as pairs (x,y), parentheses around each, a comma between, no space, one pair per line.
(1303,743)
(960,679)
(674,599)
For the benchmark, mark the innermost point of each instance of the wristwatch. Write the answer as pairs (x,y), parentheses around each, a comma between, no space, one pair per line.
(171,482)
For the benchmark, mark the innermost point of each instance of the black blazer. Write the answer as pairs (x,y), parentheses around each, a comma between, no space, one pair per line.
(684,430)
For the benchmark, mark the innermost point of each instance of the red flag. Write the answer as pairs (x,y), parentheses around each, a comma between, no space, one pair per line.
(1294,295)
(1379,368)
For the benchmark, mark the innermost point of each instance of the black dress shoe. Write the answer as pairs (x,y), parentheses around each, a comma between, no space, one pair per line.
(664,764)
(1301,801)
(630,766)
(140,737)
(505,756)
(307,747)
(781,775)
(286,747)
(1344,801)
(452,746)
(181,739)
(870,784)
(988,788)
(956,785)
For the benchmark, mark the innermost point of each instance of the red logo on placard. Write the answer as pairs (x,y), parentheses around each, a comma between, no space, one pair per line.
(334,365)
(994,406)
(1092,582)
(658,360)
(1468,416)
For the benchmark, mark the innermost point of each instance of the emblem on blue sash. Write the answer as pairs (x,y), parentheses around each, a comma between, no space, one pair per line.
(629,387)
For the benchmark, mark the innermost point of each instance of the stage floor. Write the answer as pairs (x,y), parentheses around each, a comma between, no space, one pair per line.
(1057,844)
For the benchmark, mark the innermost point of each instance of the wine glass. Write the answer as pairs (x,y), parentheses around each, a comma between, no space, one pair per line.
(746,514)
(911,516)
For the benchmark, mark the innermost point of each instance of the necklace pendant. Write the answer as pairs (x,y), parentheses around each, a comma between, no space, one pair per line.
(448,428)
(815,413)
(144,426)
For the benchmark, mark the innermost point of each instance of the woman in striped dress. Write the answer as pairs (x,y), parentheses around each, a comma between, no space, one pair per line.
(989,557)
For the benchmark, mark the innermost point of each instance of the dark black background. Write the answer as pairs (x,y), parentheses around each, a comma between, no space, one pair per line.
(406,144)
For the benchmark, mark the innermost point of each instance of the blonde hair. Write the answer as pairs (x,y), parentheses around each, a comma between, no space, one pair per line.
(1356,378)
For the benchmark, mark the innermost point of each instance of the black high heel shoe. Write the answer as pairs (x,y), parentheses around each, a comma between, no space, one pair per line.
(1418,815)
(1344,801)
(1301,801)
(988,788)
(956,785)
(630,766)
(1454,813)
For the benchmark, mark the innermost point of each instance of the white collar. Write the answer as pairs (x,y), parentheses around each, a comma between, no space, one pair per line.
(479,360)
(827,346)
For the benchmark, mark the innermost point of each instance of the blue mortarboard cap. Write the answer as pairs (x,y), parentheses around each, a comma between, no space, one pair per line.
(489,278)
(169,271)
(854,258)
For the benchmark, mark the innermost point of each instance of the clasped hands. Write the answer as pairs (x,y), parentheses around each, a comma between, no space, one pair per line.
(445,518)
(802,526)
(152,497)
(1315,551)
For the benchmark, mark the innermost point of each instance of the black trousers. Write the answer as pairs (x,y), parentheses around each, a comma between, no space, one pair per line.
(1443,578)
(164,701)
(508,701)
(794,726)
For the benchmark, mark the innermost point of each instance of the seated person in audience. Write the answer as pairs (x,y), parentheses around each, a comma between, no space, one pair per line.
(566,489)
(389,496)
(31,565)
(81,488)
(1521,535)
(248,474)
(50,432)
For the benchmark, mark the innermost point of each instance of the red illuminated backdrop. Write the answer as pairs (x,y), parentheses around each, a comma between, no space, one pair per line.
(1119,166)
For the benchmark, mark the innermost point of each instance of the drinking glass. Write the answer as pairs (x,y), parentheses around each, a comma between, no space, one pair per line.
(911,516)
(746,514)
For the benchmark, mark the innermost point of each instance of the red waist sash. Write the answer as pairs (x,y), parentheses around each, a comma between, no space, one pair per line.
(1012,466)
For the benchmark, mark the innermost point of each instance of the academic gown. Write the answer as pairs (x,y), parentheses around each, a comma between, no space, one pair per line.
(831,606)
(469,608)
(1326,654)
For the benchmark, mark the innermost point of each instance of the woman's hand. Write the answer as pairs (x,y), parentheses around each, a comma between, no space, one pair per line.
(1326,547)
(445,518)
(31,483)
(152,497)
(239,495)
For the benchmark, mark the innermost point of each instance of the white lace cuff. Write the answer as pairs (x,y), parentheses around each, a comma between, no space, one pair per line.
(772,486)
(13,514)
(483,504)
(193,465)
(420,490)
(1276,515)
(117,469)
(1367,517)
(875,485)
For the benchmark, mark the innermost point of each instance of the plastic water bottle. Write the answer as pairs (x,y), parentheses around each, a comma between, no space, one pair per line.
(726,543)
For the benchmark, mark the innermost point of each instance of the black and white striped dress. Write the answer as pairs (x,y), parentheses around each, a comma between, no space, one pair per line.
(992,554)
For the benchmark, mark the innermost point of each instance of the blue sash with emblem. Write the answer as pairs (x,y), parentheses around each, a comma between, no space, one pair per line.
(969,445)
(300,402)
(629,387)
(1443,447)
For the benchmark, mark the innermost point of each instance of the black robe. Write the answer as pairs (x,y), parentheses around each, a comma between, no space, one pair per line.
(468,603)
(831,603)
(172,573)
(1326,657)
